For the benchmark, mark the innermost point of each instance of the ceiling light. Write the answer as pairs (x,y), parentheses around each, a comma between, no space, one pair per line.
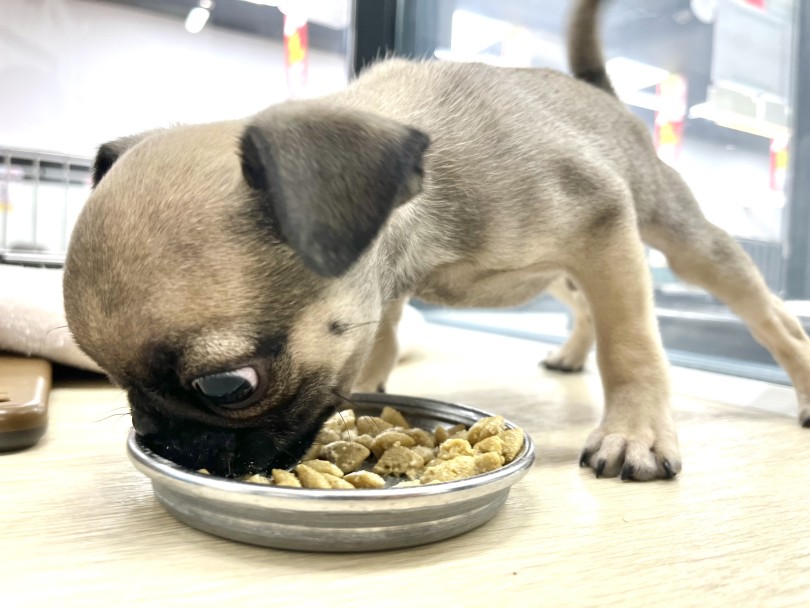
(198,16)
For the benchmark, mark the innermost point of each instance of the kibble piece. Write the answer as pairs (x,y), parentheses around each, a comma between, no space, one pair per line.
(349,435)
(310,478)
(337,483)
(421,437)
(453,448)
(346,455)
(486,427)
(372,425)
(441,434)
(410,483)
(389,439)
(366,440)
(285,478)
(324,466)
(346,419)
(365,479)
(327,435)
(462,434)
(204,471)
(313,452)
(490,444)
(460,467)
(512,443)
(394,417)
(340,421)
(426,453)
(256,478)
(399,461)
(488,461)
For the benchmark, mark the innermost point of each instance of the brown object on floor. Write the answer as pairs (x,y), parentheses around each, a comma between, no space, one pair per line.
(24,387)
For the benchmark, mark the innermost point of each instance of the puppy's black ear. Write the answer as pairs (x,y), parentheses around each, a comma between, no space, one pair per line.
(329,178)
(108,153)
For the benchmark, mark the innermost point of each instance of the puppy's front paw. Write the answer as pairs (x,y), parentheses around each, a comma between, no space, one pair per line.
(565,360)
(641,454)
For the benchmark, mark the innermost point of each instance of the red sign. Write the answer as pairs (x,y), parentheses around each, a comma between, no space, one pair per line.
(296,54)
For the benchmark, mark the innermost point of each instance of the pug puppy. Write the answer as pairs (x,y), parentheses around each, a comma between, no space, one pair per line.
(237,279)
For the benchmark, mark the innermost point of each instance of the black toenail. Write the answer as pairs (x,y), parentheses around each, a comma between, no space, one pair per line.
(627,472)
(584,458)
(806,423)
(600,467)
(668,472)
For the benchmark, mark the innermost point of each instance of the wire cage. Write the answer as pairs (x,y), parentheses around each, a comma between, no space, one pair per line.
(41,195)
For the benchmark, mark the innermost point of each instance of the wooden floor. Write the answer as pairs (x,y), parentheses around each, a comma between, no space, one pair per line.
(80,526)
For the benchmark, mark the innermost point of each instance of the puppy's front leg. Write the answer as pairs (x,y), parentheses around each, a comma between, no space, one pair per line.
(637,436)
(383,356)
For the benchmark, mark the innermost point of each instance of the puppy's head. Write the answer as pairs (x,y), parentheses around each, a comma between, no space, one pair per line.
(217,273)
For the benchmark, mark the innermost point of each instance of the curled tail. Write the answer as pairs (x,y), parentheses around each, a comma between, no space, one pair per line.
(584,47)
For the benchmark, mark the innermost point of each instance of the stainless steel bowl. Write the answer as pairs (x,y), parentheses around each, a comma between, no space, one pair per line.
(338,520)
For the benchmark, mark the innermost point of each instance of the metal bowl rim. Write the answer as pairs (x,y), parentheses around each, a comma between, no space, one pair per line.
(165,472)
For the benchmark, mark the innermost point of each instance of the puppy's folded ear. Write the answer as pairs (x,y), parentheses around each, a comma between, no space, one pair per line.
(329,178)
(108,153)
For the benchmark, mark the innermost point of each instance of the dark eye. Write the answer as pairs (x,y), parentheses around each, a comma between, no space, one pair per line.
(228,389)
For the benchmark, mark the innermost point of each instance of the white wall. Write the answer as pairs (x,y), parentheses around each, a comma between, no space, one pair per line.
(76,73)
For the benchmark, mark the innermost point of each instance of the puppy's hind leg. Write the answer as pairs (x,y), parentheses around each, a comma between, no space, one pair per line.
(703,254)
(571,356)
(383,356)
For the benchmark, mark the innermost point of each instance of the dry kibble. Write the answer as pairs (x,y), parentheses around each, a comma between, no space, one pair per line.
(372,425)
(399,461)
(339,456)
(459,467)
(421,437)
(394,417)
(346,419)
(462,434)
(285,478)
(324,466)
(204,471)
(410,483)
(313,452)
(452,448)
(340,421)
(327,435)
(349,435)
(365,479)
(346,455)
(365,440)
(488,461)
(389,439)
(426,453)
(490,444)
(512,443)
(310,478)
(486,427)
(337,483)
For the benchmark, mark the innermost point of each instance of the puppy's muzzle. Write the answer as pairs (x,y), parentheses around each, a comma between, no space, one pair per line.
(226,452)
